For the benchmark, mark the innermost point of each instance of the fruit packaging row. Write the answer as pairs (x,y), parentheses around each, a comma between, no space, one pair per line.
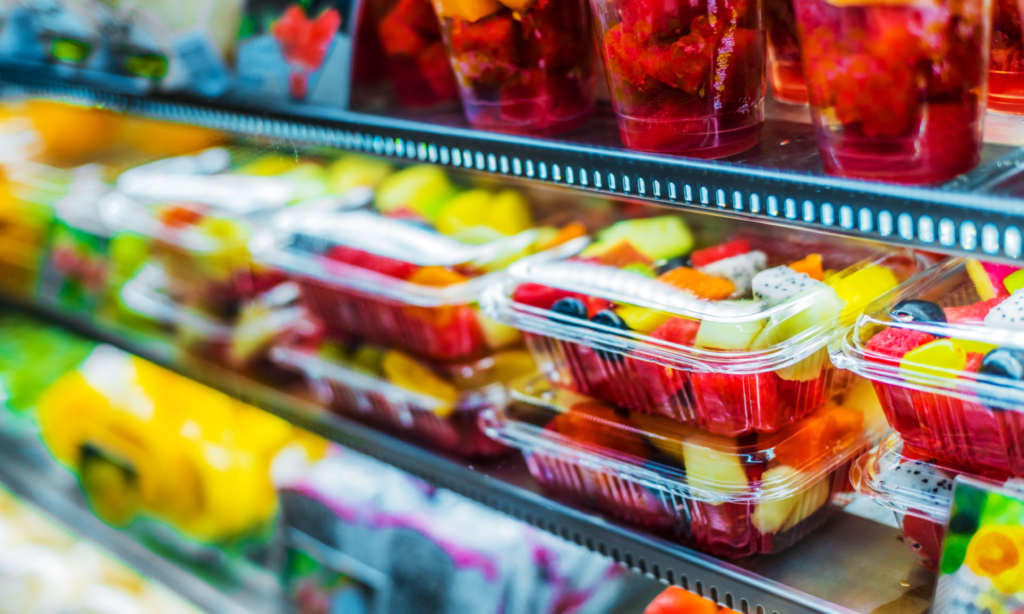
(710,380)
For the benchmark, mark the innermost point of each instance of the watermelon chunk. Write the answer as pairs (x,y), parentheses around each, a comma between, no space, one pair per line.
(659,19)
(896,342)
(539,295)
(549,27)
(704,257)
(373,262)
(492,40)
(969,314)
(678,330)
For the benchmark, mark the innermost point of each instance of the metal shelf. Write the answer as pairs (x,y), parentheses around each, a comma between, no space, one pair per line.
(850,565)
(779,181)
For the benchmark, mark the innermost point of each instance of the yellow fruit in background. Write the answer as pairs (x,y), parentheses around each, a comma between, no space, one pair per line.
(268,165)
(642,319)
(353,171)
(465,211)
(714,466)
(470,10)
(169,138)
(408,373)
(71,131)
(861,287)
(423,188)
(509,213)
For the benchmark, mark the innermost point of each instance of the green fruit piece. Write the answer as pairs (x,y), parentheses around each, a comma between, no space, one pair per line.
(954,552)
(545,235)
(224,229)
(465,211)
(658,238)
(641,269)
(1014,281)
(727,335)
(509,213)
(823,309)
(641,319)
(860,288)
(969,345)
(476,235)
(496,334)
(128,252)
(422,188)
(352,171)
(942,357)
(269,165)
(369,358)
(774,515)
(712,470)
(332,352)
(406,372)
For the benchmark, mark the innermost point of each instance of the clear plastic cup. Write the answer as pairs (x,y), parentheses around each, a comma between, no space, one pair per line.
(940,351)
(726,496)
(918,488)
(685,77)
(524,66)
(785,71)
(1006,65)
(896,89)
(683,341)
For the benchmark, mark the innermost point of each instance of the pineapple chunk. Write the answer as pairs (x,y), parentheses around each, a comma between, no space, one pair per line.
(713,470)
(781,514)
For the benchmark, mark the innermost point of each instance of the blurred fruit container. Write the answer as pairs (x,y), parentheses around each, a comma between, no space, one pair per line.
(785,72)
(523,66)
(436,403)
(1006,65)
(146,443)
(417,62)
(946,354)
(727,496)
(675,600)
(408,273)
(896,90)
(918,488)
(242,342)
(730,337)
(685,77)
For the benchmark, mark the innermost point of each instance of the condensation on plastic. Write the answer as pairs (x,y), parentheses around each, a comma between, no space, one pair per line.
(969,418)
(717,516)
(371,398)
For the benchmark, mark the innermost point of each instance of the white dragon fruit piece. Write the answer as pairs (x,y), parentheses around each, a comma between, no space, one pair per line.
(919,480)
(1009,314)
(777,284)
(740,270)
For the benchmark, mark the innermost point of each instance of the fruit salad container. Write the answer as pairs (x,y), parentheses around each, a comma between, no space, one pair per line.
(523,66)
(407,273)
(785,71)
(436,403)
(685,77)
(918,488)
(241,343)
(1006,64)
(415,55)
(946,355)
(198,214)
(725,495)
(723,327)
(896,91)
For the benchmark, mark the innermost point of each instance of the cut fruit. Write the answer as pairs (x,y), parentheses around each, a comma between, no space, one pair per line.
(539,295)
(809,266)
(823,307)
(704,257)
(941,357)
(567,233)
(862,287)
(659,238)
(969,345)
(1014,281)
(641,319)
(496,334)
(619,254)
(675,600)
(408,373)
(465,211)
(423,189)
(896,342)
(509,213)
(772,515)
(739,270)
(352,171)
(436,276)
(598,425)
(989,278)
(682,331)
(697,283)
(714,471)
(470,10)
(727,335)
(974,313)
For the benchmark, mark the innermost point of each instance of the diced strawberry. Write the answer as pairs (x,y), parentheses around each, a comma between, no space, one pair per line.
(418,15)
(549,34)
(726,402)
(399,37)
(973,362)
(677,330)
(373,262)
(436,71)
(974,313)
(660,383)
(305,41)
(595,304)
(624,55)
(684,64)
(538,295)
(895,343)
(487,49)
(704,257)
(659,18)
(592,424)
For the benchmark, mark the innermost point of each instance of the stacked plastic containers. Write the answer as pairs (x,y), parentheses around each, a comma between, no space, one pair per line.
(918,487)
(396,286)
(711,412)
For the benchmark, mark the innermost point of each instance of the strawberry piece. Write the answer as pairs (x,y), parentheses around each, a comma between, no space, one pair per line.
(305,41)
(971,313)
(487,50)
(677,330)
(177,216)
(399,37)
(684,65)
(373,262)
(596,304)
(436,71)
(540,296)
(895,343)
(704,257)
(660,19)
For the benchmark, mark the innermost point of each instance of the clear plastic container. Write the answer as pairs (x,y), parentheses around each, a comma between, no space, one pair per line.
(727,365)
(684,77)
(896,90)
(401,282)
(523,66)
(941,350)
(1006,65)
(785,71)
(918,488)
(727,496)
(438,404)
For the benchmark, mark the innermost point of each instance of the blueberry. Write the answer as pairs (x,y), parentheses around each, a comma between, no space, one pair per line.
(572,307)
(607,317)
(674,263)
(1004,362)
(914,310)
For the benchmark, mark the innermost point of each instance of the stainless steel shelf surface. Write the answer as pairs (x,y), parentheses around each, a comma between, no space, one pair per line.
(850,565)
(779,181)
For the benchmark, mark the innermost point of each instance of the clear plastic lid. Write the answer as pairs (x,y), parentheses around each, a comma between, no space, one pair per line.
(675,291)
(907,481)
(441,388)
(666,455)
(957,330)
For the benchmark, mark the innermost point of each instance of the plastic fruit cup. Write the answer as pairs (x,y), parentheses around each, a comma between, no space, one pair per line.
(415,55)
(1006,66)
(523,66)
(785,72)
(896,89)
(684,77)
